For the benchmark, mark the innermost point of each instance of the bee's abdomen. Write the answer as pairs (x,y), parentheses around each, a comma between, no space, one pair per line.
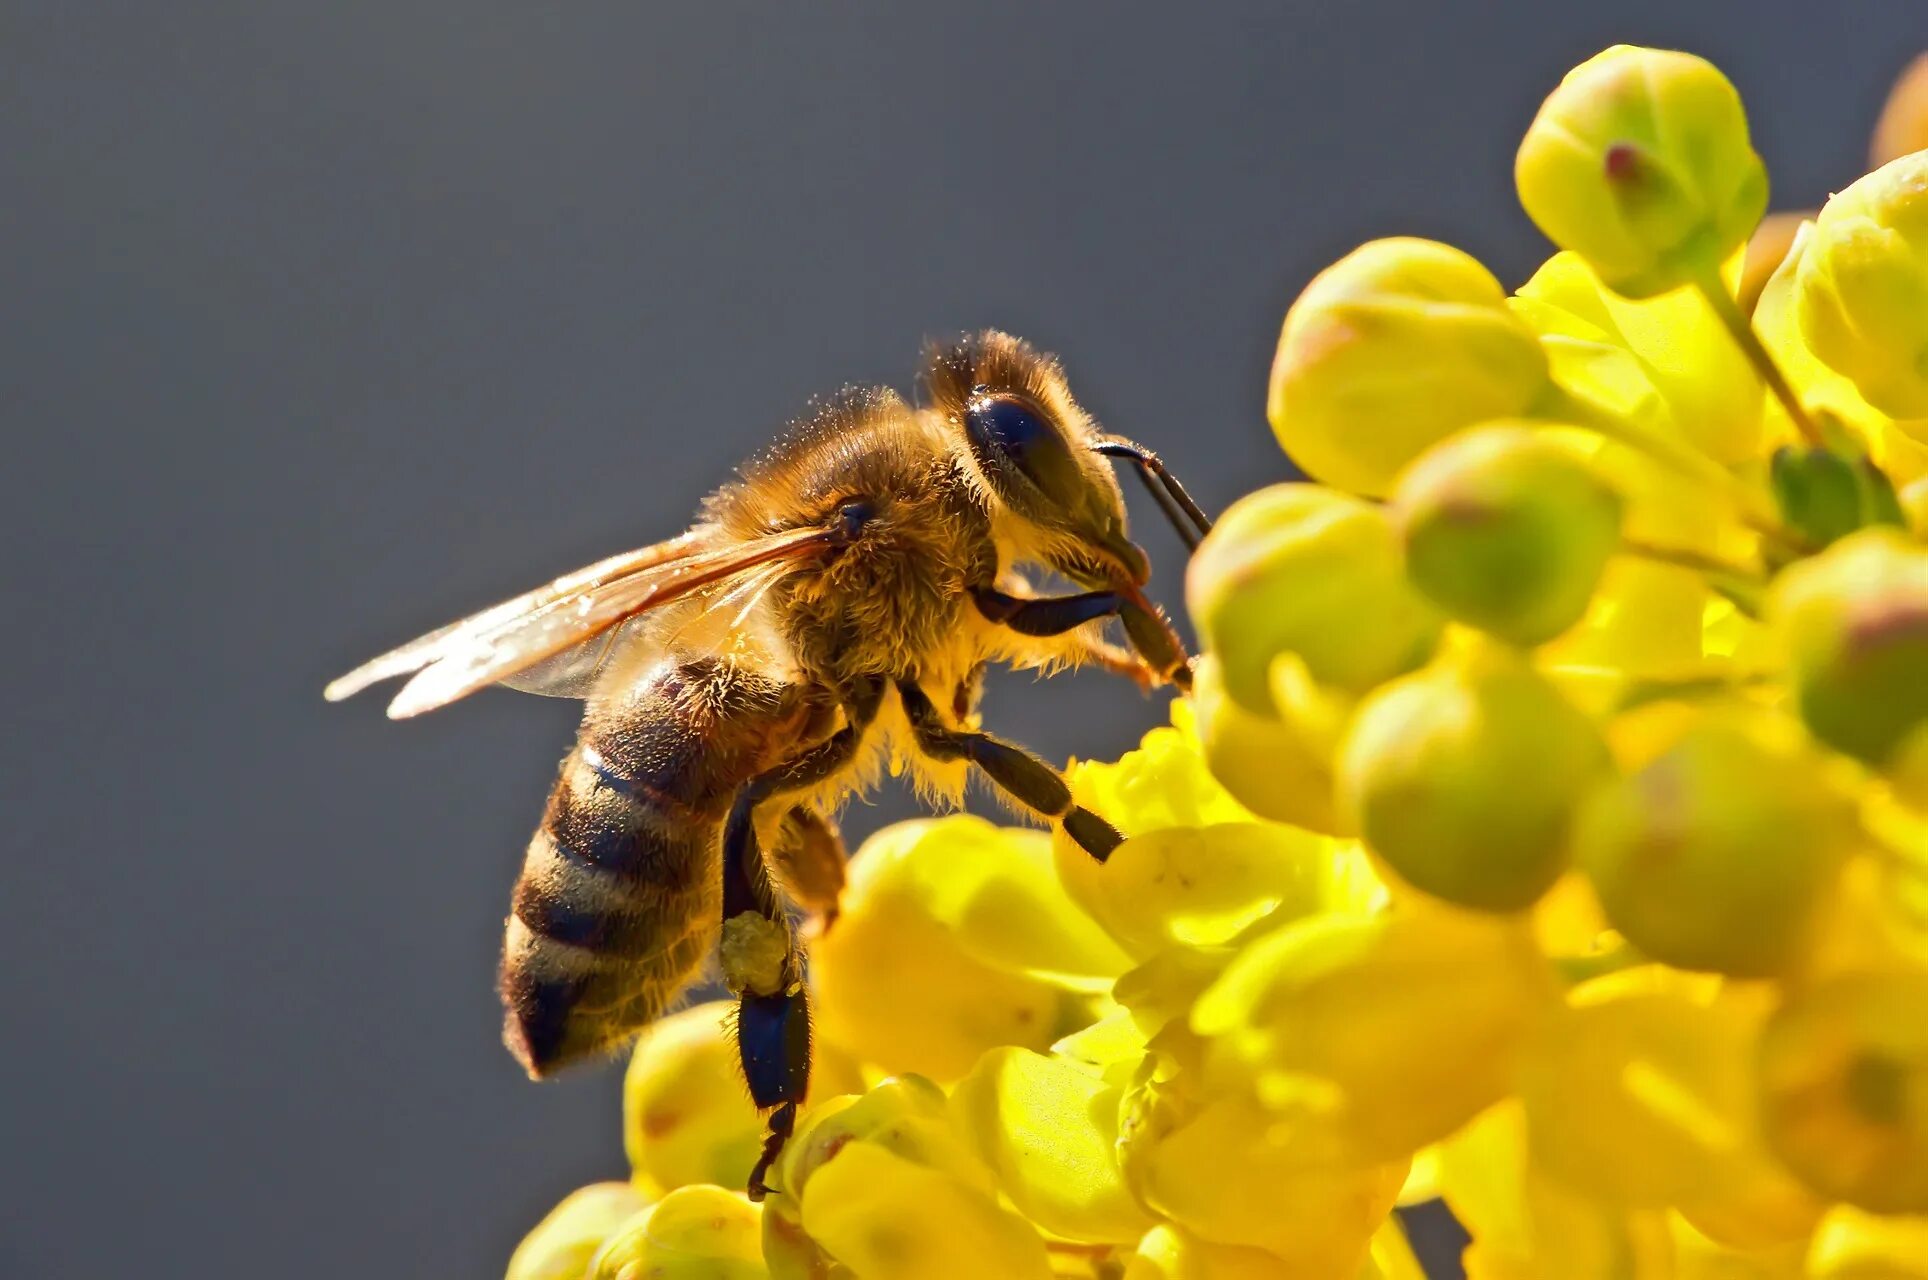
(617,906)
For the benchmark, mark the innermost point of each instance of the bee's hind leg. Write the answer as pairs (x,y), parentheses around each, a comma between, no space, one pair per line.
(762,962)
(1021,775)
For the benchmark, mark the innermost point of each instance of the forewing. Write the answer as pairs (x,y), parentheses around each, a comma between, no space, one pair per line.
(443,641)
(573,673)
(512,643)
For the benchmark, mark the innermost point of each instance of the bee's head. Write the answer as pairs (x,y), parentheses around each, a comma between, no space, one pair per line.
(1036,454)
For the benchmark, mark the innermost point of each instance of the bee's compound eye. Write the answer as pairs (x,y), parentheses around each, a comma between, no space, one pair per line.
(1009,426)
(1010,435)
(852,516)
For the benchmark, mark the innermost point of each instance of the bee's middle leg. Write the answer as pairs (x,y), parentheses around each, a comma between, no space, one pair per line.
(1021,775)
(762,962)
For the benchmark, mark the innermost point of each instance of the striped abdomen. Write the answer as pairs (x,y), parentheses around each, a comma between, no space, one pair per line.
(619,900)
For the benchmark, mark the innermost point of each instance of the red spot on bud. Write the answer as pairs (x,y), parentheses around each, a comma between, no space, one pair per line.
(1622,162)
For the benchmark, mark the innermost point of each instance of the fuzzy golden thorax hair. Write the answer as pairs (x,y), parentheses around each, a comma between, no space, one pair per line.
(894,592)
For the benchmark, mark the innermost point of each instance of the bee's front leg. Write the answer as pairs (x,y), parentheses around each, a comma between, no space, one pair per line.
(762,962)
(1160,655)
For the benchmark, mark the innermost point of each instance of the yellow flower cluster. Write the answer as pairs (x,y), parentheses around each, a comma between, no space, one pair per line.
(1547,831)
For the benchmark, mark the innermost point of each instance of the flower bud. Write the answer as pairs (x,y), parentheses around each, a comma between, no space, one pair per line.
(1861,288)
(1464,777)
(1302,569)
(693,1233)
(1507,530)
(1844,1089)
(562,1244)
(1395,346)
(683,1115)
(1640,162)
(1269,765)
(1854,620)
(1718,854)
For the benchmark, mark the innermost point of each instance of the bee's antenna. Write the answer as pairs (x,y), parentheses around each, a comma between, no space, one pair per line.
(1186,516)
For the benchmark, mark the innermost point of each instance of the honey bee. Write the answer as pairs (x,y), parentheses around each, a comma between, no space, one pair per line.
(830,614)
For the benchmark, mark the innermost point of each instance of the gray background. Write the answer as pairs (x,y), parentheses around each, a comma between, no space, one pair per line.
(325,323)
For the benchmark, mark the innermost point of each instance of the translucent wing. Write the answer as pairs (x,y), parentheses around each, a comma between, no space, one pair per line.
(437,644)
(573,673)
(515,636)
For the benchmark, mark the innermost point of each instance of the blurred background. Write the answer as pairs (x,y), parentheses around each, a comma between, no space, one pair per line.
(328,323)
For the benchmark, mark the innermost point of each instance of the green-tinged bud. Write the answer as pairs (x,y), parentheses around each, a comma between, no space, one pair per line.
(1640,162)
(1861,289)
(693,1233)
(1392,1030)
(1464,778)
(1717,855)
(1048,1130)
(1854,621)
(1272,766)
(1395,346)
(562,1244)
(1507,530)
(1825,495)
(683,1115)
(1297,568)
(1844,1089)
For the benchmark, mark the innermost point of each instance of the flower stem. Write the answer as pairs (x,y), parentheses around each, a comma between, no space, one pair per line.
(1750,506)
(1687,558)
(1738,327)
